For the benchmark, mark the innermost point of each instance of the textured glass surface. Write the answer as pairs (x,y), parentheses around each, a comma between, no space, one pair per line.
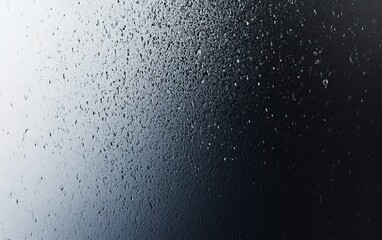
(175,119)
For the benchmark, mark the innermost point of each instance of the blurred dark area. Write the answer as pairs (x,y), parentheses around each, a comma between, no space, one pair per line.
(305,137)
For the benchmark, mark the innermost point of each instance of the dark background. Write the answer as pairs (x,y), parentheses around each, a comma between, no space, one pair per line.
(292,110)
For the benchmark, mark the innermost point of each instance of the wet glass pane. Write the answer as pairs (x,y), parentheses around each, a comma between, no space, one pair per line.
(175,119)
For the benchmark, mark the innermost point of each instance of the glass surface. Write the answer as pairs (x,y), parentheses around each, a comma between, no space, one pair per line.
(190,119)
